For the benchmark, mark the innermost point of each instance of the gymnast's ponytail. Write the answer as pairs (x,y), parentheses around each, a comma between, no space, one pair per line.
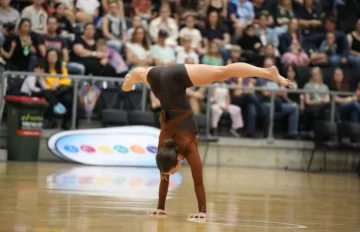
(167,156)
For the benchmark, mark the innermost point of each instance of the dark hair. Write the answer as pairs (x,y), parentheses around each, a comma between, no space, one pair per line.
(58,68)
(51,17)
(343,85)
(22,21)
(144,42)
(39,64)
(167,157)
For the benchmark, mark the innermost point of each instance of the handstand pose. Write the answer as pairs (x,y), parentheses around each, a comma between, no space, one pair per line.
(178,136)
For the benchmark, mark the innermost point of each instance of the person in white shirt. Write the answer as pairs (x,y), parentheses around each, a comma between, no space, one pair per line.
(87,10)
(221,99)
(186,52)
(37,16)
(190,31)
(166,23)
(162,53)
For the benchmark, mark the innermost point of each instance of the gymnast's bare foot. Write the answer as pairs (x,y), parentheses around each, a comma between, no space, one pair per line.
(129,82)
(274,73)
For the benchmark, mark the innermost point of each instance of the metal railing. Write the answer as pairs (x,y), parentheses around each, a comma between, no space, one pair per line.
(76,79)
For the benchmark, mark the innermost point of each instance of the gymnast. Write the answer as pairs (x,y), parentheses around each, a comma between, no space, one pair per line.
(178,134)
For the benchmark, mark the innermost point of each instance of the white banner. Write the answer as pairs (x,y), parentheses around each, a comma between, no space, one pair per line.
(118,146)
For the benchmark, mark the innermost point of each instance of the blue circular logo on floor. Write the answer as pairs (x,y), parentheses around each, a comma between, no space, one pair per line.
(121,149)
(71,148)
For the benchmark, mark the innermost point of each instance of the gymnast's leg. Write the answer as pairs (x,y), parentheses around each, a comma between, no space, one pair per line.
(205,74)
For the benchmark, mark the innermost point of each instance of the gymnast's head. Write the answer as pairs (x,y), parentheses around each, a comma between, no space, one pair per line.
(168,159)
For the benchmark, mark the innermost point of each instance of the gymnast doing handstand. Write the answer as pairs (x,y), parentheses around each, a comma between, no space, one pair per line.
(178,136)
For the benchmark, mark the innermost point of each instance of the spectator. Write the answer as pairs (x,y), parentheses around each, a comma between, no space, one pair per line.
(221,102)
(354,44)
(215,31)
(36,87)
(290,74)
(60,86)
(87,10)
(19,51)
(309,17)
(8,15)
(284,107)
(318,100)
(113,27)
(37,16)
(186,8)
(142,8)
(112,57)
(166,23)
(246,16)
(283,14)
(64,24)
(136,22)
(262,7)
(347,106)
(67,10)
(186,52)
(293,34)
(120,3)
(85,53)
(138,49)
(213,57)
(328,52)
(235,55)
(251,44)
(219,6)
(266,34)
(295,56)
(163,54)
(52,40)
(191,32)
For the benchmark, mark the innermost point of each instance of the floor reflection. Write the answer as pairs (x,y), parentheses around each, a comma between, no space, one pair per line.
(134,183)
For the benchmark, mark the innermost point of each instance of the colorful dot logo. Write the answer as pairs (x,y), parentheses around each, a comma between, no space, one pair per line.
(121,149)
(87,149)
(105,149)
(152,149)
(71,149)
(137,149)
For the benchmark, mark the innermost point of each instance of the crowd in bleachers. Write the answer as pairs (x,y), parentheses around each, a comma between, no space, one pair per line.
(314,43)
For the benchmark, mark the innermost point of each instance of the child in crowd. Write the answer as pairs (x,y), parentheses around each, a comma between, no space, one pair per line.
(112,57)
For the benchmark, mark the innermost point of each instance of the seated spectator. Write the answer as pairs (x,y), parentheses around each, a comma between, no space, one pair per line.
(186,8)
(166,23)
(8,15)
(266,34)
(87,10)
(270,52)
(66,10)
(60,86)
(246,16)
(36,87)
(120,3)
(213,57)
(65,27)
(138,49)
(283,14)
(262,7)
(284,107)
(235,55)
(112,57)
(215,31)
(186,52)
(354,44)
(191,32)
(114,27)
(37,16)
(221,102)
(328,52)
(318,100)
(136,22)
(290,74)
(309,17)
(220,6)
(347,106)
(251,45)
(163,54)
(85,53)
(295,55)
(52,40)
(293,34)
(142,8)
(20,50)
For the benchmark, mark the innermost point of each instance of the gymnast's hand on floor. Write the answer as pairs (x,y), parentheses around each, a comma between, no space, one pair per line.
(200,215)
(157,212)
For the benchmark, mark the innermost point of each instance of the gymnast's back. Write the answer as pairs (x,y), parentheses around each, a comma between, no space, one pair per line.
(169,83)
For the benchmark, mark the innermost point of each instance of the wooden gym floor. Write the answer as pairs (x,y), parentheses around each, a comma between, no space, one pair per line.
(62,197)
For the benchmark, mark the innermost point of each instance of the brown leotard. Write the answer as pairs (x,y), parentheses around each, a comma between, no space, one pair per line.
(169,83)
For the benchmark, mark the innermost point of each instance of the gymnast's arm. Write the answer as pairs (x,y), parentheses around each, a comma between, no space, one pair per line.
(164,182)
(193,158)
